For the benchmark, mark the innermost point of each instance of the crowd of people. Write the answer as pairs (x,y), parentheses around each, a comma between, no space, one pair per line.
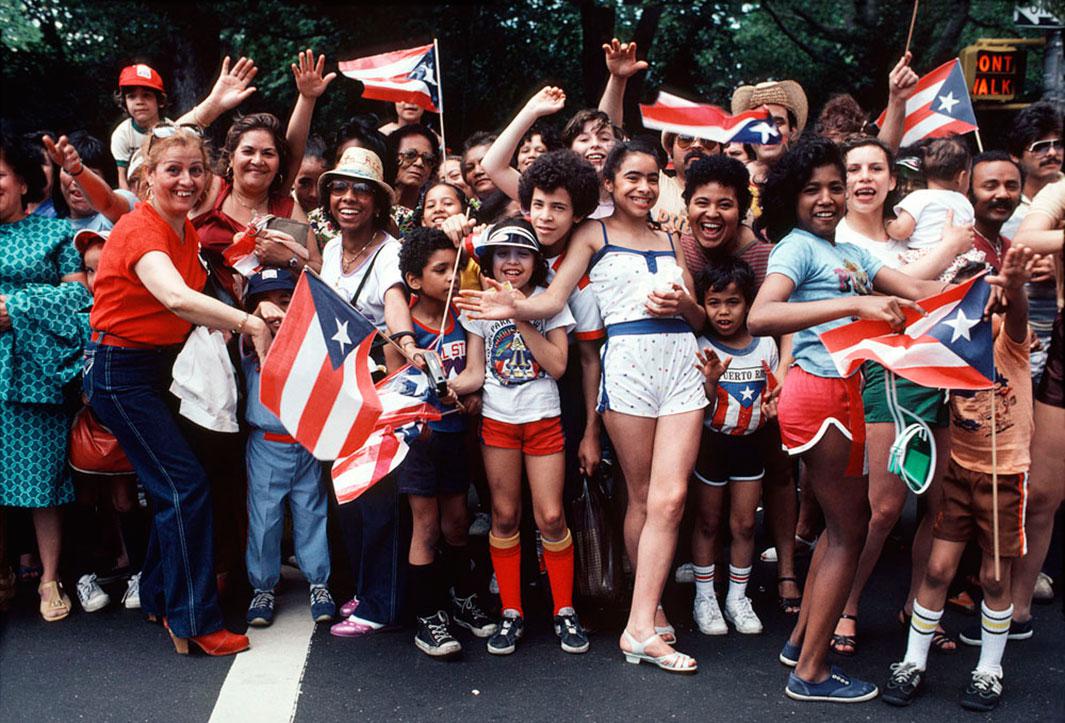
(592,293)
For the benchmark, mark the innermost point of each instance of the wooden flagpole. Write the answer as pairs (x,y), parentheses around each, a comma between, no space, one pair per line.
(440,98)
(979,142)
(994,483)
(913,21)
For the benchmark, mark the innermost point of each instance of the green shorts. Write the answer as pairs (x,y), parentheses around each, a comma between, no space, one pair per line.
(928,404)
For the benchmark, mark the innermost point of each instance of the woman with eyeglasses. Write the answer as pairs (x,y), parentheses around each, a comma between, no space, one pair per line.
(259,163)
(362,265)
(147,297)
(412,158)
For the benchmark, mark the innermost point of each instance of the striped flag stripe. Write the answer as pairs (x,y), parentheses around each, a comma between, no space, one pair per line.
(384,65)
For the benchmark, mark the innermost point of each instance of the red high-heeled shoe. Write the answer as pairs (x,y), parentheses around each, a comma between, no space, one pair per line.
(220,642)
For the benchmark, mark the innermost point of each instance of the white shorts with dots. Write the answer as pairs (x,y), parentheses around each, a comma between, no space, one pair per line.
(651,375)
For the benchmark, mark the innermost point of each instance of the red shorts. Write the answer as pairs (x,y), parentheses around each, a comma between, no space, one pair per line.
(539,438)
(810,404)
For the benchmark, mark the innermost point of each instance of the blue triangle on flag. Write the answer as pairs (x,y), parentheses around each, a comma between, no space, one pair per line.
(343,327)
(745,392)
(965,332)
(425,71)
(952,98)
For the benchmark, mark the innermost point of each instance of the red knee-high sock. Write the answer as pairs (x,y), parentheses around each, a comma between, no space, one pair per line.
(506,559)
(558,558)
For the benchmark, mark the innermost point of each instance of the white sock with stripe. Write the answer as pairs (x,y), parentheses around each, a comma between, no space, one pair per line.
(737,582)
(994,631)
(704,580)
(923,625)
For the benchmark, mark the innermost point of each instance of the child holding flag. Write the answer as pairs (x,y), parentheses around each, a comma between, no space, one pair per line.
(966,508)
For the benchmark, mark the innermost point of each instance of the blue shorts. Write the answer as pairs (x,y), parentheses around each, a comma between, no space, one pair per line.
(435,465)
(725,458)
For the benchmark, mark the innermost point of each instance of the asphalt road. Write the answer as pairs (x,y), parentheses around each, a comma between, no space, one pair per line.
(111,665)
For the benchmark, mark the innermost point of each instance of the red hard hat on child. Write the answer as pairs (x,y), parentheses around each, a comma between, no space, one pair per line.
(140,75)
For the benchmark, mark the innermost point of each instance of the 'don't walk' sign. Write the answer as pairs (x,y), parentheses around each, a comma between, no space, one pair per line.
(994,73)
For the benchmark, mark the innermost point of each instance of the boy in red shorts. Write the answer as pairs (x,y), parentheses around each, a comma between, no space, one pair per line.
(965,507)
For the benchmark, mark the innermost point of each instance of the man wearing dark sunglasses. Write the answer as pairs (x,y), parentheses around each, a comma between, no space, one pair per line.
(671,211)
(1034,141)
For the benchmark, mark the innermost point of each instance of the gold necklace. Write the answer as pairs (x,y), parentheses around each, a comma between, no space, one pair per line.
(254,209)
(347,265)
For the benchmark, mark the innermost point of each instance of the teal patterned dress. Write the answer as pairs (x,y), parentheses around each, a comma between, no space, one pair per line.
(39,358)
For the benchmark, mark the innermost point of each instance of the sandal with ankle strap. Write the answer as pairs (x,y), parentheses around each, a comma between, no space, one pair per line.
(840,643)
(668,633)
(57,605)
(675,662)
(789,605)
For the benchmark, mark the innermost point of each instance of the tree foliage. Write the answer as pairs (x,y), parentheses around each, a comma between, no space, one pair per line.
(60,58)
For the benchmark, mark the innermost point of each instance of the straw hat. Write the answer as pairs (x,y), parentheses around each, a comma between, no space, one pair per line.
(357,163)
(787,93)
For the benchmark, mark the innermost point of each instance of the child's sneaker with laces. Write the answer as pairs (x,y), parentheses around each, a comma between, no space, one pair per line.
(91,595)
(708,616)
(434,636)
(261,609)
(570,633)
(466,613)
(131,598)
(904,685)
(983,692)
(740,613)
(323,608)
(505,640)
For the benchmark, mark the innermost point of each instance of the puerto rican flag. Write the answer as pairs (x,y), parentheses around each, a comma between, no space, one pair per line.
(407,404)
(949,348)
(940,106)
(674,114)
(241,256)
(316,377)
(402,76)
(738,405)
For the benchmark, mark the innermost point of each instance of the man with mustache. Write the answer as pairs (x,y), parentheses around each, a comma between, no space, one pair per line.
(995,195)
(1034,141)
(671,211)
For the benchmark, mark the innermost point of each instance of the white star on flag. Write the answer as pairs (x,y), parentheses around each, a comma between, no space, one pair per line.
(747,393)
(961,325)
(341,337)
(947,102)
(765,130)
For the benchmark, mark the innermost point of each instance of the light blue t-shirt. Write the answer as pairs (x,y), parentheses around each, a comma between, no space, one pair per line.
(100,222)
(821,270)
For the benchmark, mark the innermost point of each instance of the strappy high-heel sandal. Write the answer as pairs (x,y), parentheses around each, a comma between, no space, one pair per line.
(55,605)
(668,633)
(675,662)
(846,645)
(789,605)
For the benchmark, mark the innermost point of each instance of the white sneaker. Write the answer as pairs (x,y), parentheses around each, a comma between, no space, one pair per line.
(769,554)
(1044,588)
(684,574)
(708,616)
(740,613)
(132,597)
(91,595)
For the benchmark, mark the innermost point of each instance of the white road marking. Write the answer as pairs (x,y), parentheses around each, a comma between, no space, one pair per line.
(263,683)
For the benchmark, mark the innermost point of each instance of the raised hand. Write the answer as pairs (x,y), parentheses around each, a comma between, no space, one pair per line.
(709,364)
(548,100)
(63,153)
(1016,270)
(621,59)
(233,86)
(309,75)
(458,227)
(902,80)
(494,302)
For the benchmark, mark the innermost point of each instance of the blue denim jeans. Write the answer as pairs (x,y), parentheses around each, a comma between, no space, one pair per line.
(278,471)
(128,391)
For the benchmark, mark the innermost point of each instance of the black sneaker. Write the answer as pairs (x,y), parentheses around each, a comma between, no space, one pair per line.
(983,692)
(261,609)
(905,683)
(434,638)
(1018,631)
(468,614)
(505,640)
(569,631)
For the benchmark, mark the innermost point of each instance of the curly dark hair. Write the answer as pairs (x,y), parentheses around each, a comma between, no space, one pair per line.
(562,169)
(575,125)
(621,149)
(256,122)
(1034,122)
(718,275)
(548,135)
(119,96)
(539,273)
(25,161)
(842,116)
(723,170)
(418,247)
(363,130)
(392,143)
(781,189)
(94,155)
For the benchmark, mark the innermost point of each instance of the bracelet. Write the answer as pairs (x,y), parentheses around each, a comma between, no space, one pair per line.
(81,169)
(293,262)
(240,326)
(400,334)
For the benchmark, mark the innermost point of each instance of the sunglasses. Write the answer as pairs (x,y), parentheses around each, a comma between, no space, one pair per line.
(166,130)
(408,157)
(1041,147)
(686,142)
(339,188)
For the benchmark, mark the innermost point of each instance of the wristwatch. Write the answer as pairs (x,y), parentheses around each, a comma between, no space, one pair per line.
(293,262)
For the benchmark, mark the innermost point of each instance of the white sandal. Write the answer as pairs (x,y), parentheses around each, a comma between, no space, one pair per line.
(668,633)
(675,662)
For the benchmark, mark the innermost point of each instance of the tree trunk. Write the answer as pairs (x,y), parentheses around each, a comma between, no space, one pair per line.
(646,29)
(196,50)
(597,27)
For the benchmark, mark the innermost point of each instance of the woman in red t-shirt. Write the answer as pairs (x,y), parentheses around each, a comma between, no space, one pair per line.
(147,297)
